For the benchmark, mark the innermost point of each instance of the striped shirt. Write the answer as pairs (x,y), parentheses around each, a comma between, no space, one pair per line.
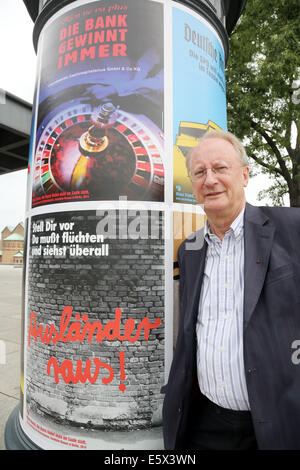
(220,362)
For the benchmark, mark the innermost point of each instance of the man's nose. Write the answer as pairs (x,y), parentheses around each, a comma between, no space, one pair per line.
(210,177)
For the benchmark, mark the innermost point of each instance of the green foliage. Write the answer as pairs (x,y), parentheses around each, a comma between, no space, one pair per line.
(263,81)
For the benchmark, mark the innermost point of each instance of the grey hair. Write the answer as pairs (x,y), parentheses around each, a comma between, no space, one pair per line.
(220,134)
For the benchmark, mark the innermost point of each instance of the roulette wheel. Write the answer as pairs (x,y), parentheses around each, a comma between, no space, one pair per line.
(104,152)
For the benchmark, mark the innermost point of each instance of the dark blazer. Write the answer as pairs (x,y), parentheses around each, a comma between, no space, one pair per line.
(271,325)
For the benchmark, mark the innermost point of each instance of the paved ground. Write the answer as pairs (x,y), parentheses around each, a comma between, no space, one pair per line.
(10,342)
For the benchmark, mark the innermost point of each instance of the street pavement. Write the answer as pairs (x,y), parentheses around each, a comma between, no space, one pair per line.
(10,342)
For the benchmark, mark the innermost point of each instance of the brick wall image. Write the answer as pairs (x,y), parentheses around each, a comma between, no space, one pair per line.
(129,276)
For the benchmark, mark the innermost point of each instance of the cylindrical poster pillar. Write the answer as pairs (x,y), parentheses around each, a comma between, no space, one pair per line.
(123,90)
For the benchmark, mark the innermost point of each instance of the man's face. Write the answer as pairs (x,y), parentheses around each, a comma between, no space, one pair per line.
(222,192)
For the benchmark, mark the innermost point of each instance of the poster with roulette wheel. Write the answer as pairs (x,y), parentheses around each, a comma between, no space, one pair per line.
(99,130)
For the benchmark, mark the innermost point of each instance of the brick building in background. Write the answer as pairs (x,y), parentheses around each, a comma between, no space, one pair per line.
(12,244)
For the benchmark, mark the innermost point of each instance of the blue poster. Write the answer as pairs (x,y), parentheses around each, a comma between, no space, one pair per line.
(199,91)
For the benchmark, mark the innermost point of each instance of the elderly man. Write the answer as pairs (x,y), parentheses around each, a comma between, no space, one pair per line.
(232,383)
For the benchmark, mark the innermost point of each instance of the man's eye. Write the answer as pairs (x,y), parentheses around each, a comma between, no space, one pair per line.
(221,168)
(199,172)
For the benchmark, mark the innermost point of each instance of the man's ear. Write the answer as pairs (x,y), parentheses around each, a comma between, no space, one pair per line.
(246,172)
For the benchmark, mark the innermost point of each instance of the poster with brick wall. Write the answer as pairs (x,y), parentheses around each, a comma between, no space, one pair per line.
(94,335)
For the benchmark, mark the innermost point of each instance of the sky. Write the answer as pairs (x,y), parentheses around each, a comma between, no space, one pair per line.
(18,71)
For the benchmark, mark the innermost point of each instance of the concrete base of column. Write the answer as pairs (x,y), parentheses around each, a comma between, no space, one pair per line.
(15,438)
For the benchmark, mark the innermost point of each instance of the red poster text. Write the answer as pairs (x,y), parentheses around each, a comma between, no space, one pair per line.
(84,330)
(95,38)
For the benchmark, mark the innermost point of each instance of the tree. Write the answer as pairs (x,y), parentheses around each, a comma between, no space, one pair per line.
(263,92)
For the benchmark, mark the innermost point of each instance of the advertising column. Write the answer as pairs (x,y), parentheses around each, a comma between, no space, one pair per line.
(94,288)
(124,90)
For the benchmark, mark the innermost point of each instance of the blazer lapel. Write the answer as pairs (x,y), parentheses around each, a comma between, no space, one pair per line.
(195,263)
(259,233)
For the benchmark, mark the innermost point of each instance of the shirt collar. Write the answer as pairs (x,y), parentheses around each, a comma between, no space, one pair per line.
(236,227)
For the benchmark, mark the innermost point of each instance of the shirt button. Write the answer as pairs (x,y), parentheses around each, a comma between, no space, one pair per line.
(223,384)
(221,349)
(225,316)
(225,285)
